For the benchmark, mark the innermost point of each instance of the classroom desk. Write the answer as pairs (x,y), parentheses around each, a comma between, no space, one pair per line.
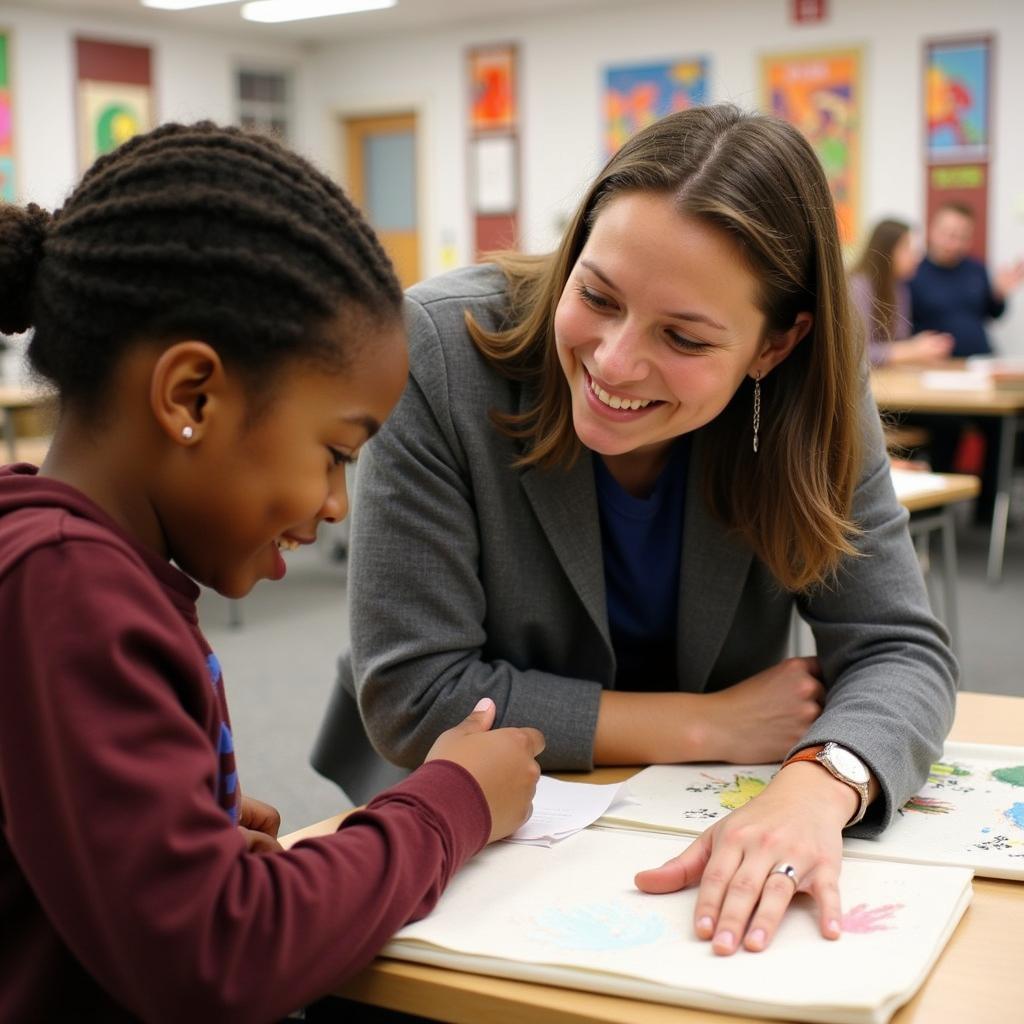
(978,977)
(902,390)
(13,398)
(930,498)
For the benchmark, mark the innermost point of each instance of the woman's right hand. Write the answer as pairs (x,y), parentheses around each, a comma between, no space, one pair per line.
(759,720)
(503,762)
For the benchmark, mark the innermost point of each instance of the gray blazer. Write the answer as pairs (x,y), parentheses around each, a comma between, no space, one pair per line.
(469,578)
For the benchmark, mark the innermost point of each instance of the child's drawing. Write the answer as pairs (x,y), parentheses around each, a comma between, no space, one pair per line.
(599,927)
(1014,776)
(1015,815)
(743,789)
(928,805)
(942,770)
(862,919)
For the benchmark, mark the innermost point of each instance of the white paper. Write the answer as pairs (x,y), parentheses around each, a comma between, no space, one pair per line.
(970,812)
(572,916)
(908,482)
(956,380)
(494,160)
(561,809)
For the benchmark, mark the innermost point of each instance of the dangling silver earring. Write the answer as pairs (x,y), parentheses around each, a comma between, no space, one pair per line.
(187,432)
(757,406)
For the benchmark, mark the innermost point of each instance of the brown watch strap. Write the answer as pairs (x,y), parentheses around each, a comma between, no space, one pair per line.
(807,754)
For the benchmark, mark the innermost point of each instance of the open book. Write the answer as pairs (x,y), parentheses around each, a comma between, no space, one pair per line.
(970,812)
(569,915)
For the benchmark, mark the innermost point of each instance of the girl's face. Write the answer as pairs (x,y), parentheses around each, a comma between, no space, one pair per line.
(657,327)
(905,257)
(263,485)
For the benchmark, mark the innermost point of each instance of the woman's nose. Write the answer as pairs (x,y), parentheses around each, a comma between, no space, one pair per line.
(621,354)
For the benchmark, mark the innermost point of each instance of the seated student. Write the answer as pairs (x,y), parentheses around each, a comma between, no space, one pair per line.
(615,472)
(224,333)
(952,292)
(878,287)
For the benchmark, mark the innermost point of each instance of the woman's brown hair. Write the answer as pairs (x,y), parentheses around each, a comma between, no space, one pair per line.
(875,265)
(757,179)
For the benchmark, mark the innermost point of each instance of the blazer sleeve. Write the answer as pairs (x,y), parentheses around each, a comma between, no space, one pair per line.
(418,605)
(892,676)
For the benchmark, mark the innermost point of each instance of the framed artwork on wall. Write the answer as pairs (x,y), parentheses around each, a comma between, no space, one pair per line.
(7,183)
(492,74)
(819,92)
(115,96)
(636,95)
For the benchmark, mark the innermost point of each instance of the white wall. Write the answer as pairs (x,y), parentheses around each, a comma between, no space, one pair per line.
(562,59)
(193,78)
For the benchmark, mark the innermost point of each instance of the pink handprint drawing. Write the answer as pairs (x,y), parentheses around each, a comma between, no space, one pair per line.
(863,919)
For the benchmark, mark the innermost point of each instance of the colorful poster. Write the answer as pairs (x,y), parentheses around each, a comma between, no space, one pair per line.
(957,100)
(820,93)
(6,125)
(115,98)
(637,95)
(492,89)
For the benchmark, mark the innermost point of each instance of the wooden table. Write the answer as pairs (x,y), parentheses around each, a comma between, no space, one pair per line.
(903,390)
(13,398)
(978,977)
(930,498)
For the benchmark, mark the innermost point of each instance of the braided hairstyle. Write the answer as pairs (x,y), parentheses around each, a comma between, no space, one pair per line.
(191,231)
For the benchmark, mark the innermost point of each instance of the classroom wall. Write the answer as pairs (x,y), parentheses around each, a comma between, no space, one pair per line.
(562,58)
(193,78)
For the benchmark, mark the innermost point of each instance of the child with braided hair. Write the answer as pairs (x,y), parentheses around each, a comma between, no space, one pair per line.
(224,332)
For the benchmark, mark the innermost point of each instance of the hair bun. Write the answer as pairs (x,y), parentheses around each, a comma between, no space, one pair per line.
(23,232)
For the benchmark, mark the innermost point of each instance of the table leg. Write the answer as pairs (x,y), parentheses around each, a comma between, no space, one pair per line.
(10,435)
(1001,511)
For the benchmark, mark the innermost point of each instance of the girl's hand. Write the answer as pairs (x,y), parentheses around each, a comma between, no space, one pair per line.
(259,823)
(797,820)
(759,720)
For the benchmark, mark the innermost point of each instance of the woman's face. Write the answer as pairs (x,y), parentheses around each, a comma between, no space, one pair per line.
(657,327)
(905,257)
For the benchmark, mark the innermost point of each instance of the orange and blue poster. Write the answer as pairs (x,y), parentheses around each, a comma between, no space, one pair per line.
(636,96)
(115,97)
(6,124)
(957,100)
(820,93)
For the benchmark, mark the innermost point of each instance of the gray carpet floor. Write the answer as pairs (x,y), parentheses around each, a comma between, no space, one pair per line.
(279,663)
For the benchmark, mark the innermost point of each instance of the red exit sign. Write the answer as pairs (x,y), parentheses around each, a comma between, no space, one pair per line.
(808,11)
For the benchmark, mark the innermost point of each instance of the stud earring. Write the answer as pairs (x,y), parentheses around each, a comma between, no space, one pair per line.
(187,432)
(757,406)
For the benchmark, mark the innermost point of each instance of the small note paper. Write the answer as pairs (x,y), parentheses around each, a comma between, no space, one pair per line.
(561,809)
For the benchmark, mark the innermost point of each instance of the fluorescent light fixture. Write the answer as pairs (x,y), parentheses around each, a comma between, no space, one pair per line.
(183,5)
(299,10)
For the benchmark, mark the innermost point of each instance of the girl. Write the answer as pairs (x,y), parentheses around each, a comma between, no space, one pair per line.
(615,474)
(881,297)
(223,330)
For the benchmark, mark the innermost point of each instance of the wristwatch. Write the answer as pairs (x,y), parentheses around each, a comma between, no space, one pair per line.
(845,766)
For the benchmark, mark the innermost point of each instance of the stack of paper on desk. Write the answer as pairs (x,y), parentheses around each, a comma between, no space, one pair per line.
(969,813)
(571,916)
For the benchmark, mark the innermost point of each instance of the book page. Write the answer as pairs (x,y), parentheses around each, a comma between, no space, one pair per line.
(571,915)
(970,812)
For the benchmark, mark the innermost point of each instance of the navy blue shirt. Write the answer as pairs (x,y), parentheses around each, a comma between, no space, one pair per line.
(642,542)
(955,299)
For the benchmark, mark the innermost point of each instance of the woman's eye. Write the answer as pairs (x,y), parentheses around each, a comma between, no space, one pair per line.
(687,344)
(592,298)
(340,458)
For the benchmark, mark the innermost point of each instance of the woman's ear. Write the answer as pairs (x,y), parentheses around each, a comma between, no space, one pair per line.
(778,344)
(186,385)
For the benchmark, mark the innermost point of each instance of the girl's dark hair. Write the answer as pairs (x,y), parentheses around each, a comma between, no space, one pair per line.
(875,264)
(191,231)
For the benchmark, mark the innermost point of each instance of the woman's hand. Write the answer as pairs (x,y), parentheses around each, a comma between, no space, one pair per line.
(259,823)
(797,820)
(760,719)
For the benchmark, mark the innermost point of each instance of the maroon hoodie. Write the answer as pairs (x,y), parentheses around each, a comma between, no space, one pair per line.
(125,888)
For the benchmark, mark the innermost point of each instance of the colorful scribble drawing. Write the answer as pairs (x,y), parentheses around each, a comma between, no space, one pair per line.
(943,770)
(600,927)
(1015,815)
(928,805)
(957,100)
(862,919)
(742,791)
(637,96)
(1014,776)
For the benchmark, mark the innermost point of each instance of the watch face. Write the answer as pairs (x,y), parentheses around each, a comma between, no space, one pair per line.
(847,764)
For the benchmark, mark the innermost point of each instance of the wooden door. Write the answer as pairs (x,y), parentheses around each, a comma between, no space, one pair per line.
(381,170)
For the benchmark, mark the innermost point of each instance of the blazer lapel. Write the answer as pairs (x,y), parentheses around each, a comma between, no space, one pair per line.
(712,576)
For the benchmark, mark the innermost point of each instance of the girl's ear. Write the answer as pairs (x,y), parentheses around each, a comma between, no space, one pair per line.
(777,345)
(186,385)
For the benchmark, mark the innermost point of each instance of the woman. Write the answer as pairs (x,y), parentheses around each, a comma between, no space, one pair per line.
(881,297)
(615,472)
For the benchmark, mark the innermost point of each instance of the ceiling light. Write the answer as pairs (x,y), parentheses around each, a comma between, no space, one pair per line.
(183,5)
(299,10)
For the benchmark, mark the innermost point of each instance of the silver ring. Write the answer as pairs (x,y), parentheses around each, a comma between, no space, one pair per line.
(788,870)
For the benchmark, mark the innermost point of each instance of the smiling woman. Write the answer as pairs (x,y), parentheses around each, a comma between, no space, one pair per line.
(617,470)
